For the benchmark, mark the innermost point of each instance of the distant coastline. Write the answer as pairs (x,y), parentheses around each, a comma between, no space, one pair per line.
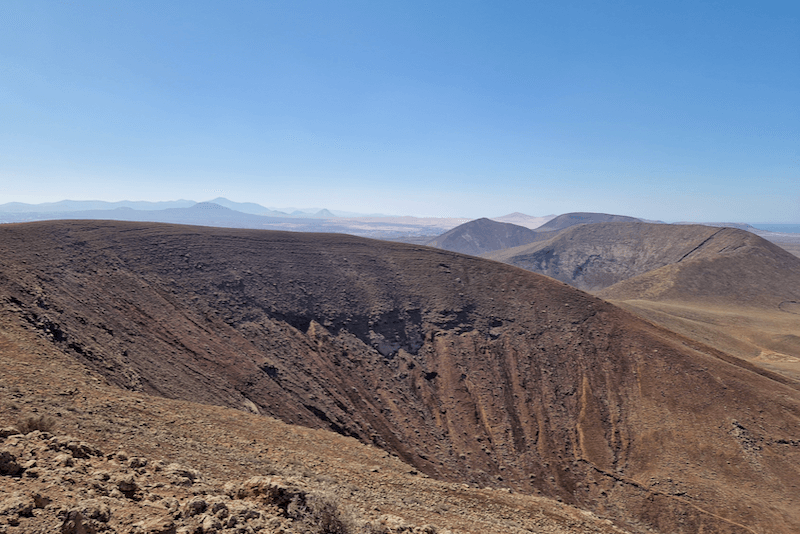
(782,228)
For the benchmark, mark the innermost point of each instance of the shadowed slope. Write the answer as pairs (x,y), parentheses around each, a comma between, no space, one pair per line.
(467,369)
(483,235)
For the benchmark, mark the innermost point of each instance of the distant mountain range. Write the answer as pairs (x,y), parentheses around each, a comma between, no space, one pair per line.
(221,212)
(88,205)
(476,237)
(250,208)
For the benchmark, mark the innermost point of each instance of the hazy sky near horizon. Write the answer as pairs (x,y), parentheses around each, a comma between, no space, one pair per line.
(671,110)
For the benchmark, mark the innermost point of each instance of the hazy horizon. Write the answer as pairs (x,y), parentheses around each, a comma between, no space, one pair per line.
(760,225)
(675,112)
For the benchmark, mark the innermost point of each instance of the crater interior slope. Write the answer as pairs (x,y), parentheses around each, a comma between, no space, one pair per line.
(468,370)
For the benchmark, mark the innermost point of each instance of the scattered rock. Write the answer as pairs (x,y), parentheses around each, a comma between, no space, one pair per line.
(127,484)
(184,475)
(9,465)
(136,463)
(15,506)
(220,510)
(9,431)
(195,507)
(210,524)
(64,460)
(39,500)
(158,525)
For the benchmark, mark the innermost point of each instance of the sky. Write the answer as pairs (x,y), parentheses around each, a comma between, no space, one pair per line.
(674,111)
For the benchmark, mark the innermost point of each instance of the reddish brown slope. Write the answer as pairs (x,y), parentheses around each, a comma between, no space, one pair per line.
(227,447)
(468,369)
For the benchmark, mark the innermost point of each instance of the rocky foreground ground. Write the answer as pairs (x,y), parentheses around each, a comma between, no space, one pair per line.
(60,484)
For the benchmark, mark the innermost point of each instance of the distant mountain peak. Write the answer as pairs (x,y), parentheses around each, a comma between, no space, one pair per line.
(483,235)
(324,214)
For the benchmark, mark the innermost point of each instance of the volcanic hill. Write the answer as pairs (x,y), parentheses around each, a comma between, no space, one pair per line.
(483,235)
(724,287)
(595,256)
(722,265)
(572,219)
(737,292)
(468,370)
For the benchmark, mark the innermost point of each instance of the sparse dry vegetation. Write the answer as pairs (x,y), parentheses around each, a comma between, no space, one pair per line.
(321,514)
(42,423)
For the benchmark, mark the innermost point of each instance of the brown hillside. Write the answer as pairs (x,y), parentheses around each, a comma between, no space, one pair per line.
(741,298)
(483,235)
(467,369)
(595,256)
(721,286)
(730,267)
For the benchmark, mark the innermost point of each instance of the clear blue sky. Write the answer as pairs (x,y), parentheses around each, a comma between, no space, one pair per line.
(670,110)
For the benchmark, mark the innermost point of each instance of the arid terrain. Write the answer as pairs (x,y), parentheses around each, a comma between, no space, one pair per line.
(461,369)
(742,296)
(527,221)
